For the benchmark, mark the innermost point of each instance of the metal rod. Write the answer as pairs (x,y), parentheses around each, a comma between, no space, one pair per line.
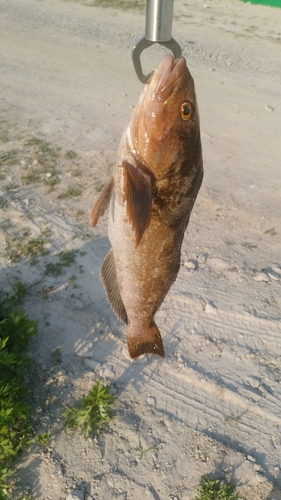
(159,18)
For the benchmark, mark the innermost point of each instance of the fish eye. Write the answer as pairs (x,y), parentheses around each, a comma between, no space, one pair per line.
(186,111)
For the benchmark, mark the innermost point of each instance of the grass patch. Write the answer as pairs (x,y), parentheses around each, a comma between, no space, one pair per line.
(120,4)
(213,489)
(93,412)
(56,356)
(3,203)
(66,259)
(72,191)
(9,157)
(31,177)
(43,439)
(70,155)
(11,187)
(248,245)
(271,231)
(18,246)
(16,331)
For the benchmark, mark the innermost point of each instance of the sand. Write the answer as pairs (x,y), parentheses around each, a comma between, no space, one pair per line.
(213,405)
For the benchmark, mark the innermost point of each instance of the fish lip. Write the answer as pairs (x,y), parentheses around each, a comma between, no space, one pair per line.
(171,71)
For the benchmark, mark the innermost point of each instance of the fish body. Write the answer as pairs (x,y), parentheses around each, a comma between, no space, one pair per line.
(156,179)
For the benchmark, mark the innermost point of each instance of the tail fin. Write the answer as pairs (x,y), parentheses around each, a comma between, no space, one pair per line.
(144,340)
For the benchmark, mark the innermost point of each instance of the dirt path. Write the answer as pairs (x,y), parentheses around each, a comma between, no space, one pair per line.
(213,405)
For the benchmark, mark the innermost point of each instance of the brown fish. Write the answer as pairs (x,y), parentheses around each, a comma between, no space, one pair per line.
(156,179)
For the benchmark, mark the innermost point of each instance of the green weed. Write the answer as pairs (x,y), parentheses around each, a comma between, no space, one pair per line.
(71,191)
(16,331)
(213,489)
(66,259)
(31,177)
(17,246)
(9,157)
(76,173)
(248,245)
(271,231)
(70,155)
(56,355)
(3,203)
(43,438)
(142,451)
(93,412)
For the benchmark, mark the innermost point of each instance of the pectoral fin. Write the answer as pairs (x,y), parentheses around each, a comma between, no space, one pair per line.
(138,195)
(101,202)
(109,280)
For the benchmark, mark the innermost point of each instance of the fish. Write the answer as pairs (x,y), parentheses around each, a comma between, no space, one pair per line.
(156,179)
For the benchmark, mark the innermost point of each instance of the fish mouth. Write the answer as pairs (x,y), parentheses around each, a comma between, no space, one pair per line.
(169,72)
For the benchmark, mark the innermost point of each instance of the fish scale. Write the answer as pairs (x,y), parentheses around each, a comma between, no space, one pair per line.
(156,179)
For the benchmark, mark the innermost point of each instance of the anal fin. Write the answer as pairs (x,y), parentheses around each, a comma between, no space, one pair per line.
(109,280)
(101,202)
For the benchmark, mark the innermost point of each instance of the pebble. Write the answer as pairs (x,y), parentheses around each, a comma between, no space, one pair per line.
(190,264)
(90,363)
(261,277)
(48,175)
(75,495)
(210,308)
(250,458)
(257,467)
(108,372)
(268,108)
(202,258)
(254,382)
(274,276)
(276,269)
(151,401)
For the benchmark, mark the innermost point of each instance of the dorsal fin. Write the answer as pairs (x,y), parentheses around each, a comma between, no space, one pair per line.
(138,195)
(101,202)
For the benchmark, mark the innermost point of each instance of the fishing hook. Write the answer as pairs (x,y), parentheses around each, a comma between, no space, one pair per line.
(158,29)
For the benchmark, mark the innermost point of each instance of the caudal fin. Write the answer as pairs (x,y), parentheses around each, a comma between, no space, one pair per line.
(144,340)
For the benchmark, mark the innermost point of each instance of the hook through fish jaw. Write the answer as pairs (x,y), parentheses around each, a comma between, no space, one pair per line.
(142,44)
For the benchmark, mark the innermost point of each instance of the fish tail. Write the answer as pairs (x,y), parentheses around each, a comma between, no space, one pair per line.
(144,340)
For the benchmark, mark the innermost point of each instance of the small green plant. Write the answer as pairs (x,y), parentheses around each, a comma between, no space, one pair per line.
(213,489)
(43,438)
(94,411)
(3,203)
(31,177)
(66,259)
(56,355)
(248,245)
(271,231)
(69,155)
(9,158)
(71,191)
(17,246)
(15,332)
(142,451)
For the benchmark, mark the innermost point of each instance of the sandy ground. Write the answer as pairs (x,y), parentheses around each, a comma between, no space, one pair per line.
(213,405)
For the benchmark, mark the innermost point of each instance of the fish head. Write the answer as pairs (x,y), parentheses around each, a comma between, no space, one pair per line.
(164,127)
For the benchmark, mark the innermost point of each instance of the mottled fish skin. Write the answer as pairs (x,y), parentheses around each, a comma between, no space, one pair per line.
(156,180)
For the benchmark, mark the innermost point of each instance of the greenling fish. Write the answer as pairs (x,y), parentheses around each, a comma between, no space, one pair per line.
(156,179)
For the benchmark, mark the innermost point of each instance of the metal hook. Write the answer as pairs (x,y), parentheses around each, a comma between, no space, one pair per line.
(142,44)
(158,29)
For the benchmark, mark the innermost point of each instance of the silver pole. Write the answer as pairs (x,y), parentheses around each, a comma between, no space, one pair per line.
(159,18)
